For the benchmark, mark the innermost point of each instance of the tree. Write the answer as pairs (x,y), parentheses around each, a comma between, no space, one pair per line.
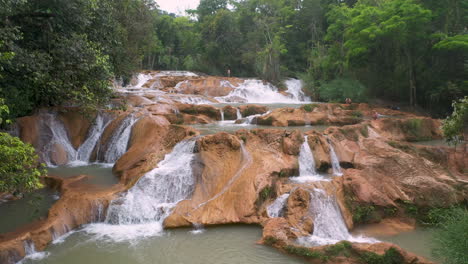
(19,170)
(450,241)
(455,127)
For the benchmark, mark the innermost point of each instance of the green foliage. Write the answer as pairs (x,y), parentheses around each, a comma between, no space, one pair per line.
(340,89)
(450,239)
(391,256)
(456,125)
(342,248)
(265,193)
(269,240)
(309,107)
(363,213)
(19,169)
(357,114)
(304,252)
(364,130)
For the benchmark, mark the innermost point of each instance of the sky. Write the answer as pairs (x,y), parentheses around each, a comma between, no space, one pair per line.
(177,6)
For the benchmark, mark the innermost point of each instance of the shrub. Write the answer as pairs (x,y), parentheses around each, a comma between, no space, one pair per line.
(391,256)
(341,248)
(357,114)
(19,169)
(450,241)
(304,252)
(340,89)
(309,107)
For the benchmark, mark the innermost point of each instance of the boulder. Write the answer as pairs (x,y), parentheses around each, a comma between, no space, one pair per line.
(248,110)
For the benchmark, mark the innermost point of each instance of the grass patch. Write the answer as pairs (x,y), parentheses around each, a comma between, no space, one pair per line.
(342,248)
(265,194)
(356,114)
(364,131)
(309,107)
(363,213)
(304,252)
(391,256)
(269,240)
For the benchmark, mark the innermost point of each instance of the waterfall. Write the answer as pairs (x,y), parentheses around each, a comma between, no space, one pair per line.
(118,143)
(58,136)
(295,90)
(276,208)
(31,253)
(249,120)
(221,112)
(329,225)
(256,91)
(335,162)
(307,170)
(83,154)
(238,113)
(140,212)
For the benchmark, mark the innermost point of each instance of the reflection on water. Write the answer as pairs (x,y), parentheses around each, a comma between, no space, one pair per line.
(101,173)
(225,245)
(230,127)
(33,206)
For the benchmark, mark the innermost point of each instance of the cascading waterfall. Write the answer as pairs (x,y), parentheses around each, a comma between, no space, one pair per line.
(84,151)
(238,114)
(335,162)
(329,225)
(58,136)
(140,212)
(307,170)
(118,143)
(276,208)
(31,253)
(295,90)
(221,112)
(257,91)
(249,120)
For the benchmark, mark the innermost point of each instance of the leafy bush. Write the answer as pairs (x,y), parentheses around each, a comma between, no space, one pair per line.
(454,126)
(340,89)
(304,252)
(309,107)
(391,256)
(341,248)
(450,241)
(19,169)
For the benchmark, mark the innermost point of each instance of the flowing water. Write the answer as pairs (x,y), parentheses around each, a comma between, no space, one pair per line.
(276,208)
(294,88)
(329,225)
(257,91)
(220,245)
(118,143)
(14,214)
(335,162)
(141,211)
(307,172)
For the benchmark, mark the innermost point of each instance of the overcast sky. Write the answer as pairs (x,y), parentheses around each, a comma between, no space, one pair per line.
(177,6)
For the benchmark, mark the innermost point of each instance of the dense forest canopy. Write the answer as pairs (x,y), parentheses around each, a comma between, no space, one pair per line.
(55,52)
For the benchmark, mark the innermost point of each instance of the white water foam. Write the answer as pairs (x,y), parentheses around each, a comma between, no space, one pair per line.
(295,89)
(335,162)
(118,143)
(256,91)
(31,253)
(238,114)
(276,208)
(329,225)
(140,212)
(307,172)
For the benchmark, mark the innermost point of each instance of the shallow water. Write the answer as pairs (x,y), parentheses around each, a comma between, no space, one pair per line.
(269,106)
(101,173)
(220,245)
(230,127)
(35,205)
(417,241)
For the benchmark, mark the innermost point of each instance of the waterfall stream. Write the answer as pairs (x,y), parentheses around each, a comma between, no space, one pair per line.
(276,208)
(118,143)
(238,114)
(140,212)
(329,225)
(335,162)
(307,172)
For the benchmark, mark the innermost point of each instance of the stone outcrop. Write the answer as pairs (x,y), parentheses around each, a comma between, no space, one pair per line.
(208,86)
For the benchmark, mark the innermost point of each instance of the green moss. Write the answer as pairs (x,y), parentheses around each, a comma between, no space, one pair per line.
(340,249)
(414,128)
(364,131)
(192,133)
(391,256)
(356,114)
(309,107)
(269,240)
(264,194)
(244,138)
(363,213)
(304,252)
